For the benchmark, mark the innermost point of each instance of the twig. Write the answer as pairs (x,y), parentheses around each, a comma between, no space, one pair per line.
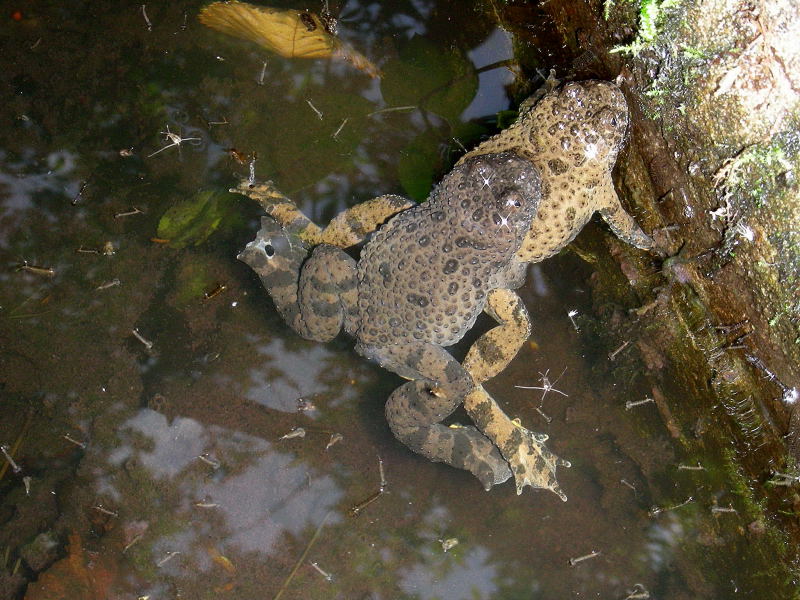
(391,109)
(302,558)
(575,561)
(146,19)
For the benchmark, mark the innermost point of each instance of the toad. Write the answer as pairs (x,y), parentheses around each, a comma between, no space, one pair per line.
(419,285)
(571,136)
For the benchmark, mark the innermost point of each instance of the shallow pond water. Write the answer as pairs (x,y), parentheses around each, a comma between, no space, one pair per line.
(150,392)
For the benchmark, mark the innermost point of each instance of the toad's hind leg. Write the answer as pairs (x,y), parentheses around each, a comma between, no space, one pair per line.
(317,295)
(493,350)
(531,462)
(328,295)
(415,410)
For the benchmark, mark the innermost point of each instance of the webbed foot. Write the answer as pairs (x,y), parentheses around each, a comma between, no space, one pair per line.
(532,463)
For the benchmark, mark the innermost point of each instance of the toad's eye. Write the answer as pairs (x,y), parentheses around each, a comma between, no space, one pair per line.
(513,202)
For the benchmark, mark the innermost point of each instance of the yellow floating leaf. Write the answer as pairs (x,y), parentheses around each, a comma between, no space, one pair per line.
(222,561)
(289,33)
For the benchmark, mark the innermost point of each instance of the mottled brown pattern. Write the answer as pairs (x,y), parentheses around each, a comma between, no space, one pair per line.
(419,285)
(571,136)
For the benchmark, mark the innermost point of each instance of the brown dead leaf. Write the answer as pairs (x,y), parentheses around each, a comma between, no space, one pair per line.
(75,576)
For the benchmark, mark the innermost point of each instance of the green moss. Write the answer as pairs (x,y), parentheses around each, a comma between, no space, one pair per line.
(192,281)
(752,174)
(740,485)
(692,52)
(651,16)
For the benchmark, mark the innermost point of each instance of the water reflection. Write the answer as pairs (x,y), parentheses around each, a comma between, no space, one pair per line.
(492,97)
(250,498)
(223,484)
(22,178)
(289,375)
(664,536)
(471,577)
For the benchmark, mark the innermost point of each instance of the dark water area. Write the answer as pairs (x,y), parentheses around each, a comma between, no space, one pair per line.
(151,396)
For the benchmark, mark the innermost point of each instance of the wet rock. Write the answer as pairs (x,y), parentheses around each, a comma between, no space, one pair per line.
(757,528)
(41,552)
(653,359)
(11,586)
(709,539)
(793,436)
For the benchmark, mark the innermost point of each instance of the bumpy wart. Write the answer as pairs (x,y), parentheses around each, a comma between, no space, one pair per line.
(425,275)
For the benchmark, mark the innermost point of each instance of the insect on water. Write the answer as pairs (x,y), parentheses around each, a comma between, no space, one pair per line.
(175,140)
(546,387)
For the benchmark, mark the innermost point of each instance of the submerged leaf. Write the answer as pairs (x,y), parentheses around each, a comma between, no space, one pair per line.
(289,33)
(419,163)
(80,574)
(441,81)
(192,221)
(310,148)
(432,153)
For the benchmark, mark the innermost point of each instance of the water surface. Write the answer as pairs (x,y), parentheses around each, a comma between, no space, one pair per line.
(159,465)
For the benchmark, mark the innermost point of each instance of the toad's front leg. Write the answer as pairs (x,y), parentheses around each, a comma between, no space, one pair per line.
(348,228)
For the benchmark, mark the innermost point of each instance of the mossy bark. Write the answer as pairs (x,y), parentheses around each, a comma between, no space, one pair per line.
(710,171)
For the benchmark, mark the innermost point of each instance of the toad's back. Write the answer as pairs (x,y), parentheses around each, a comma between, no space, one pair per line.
(426,273)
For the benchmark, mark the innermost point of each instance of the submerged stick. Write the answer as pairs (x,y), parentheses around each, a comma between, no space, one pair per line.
(302,558)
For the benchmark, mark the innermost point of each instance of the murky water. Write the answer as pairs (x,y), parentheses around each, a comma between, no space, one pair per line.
(162,464)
